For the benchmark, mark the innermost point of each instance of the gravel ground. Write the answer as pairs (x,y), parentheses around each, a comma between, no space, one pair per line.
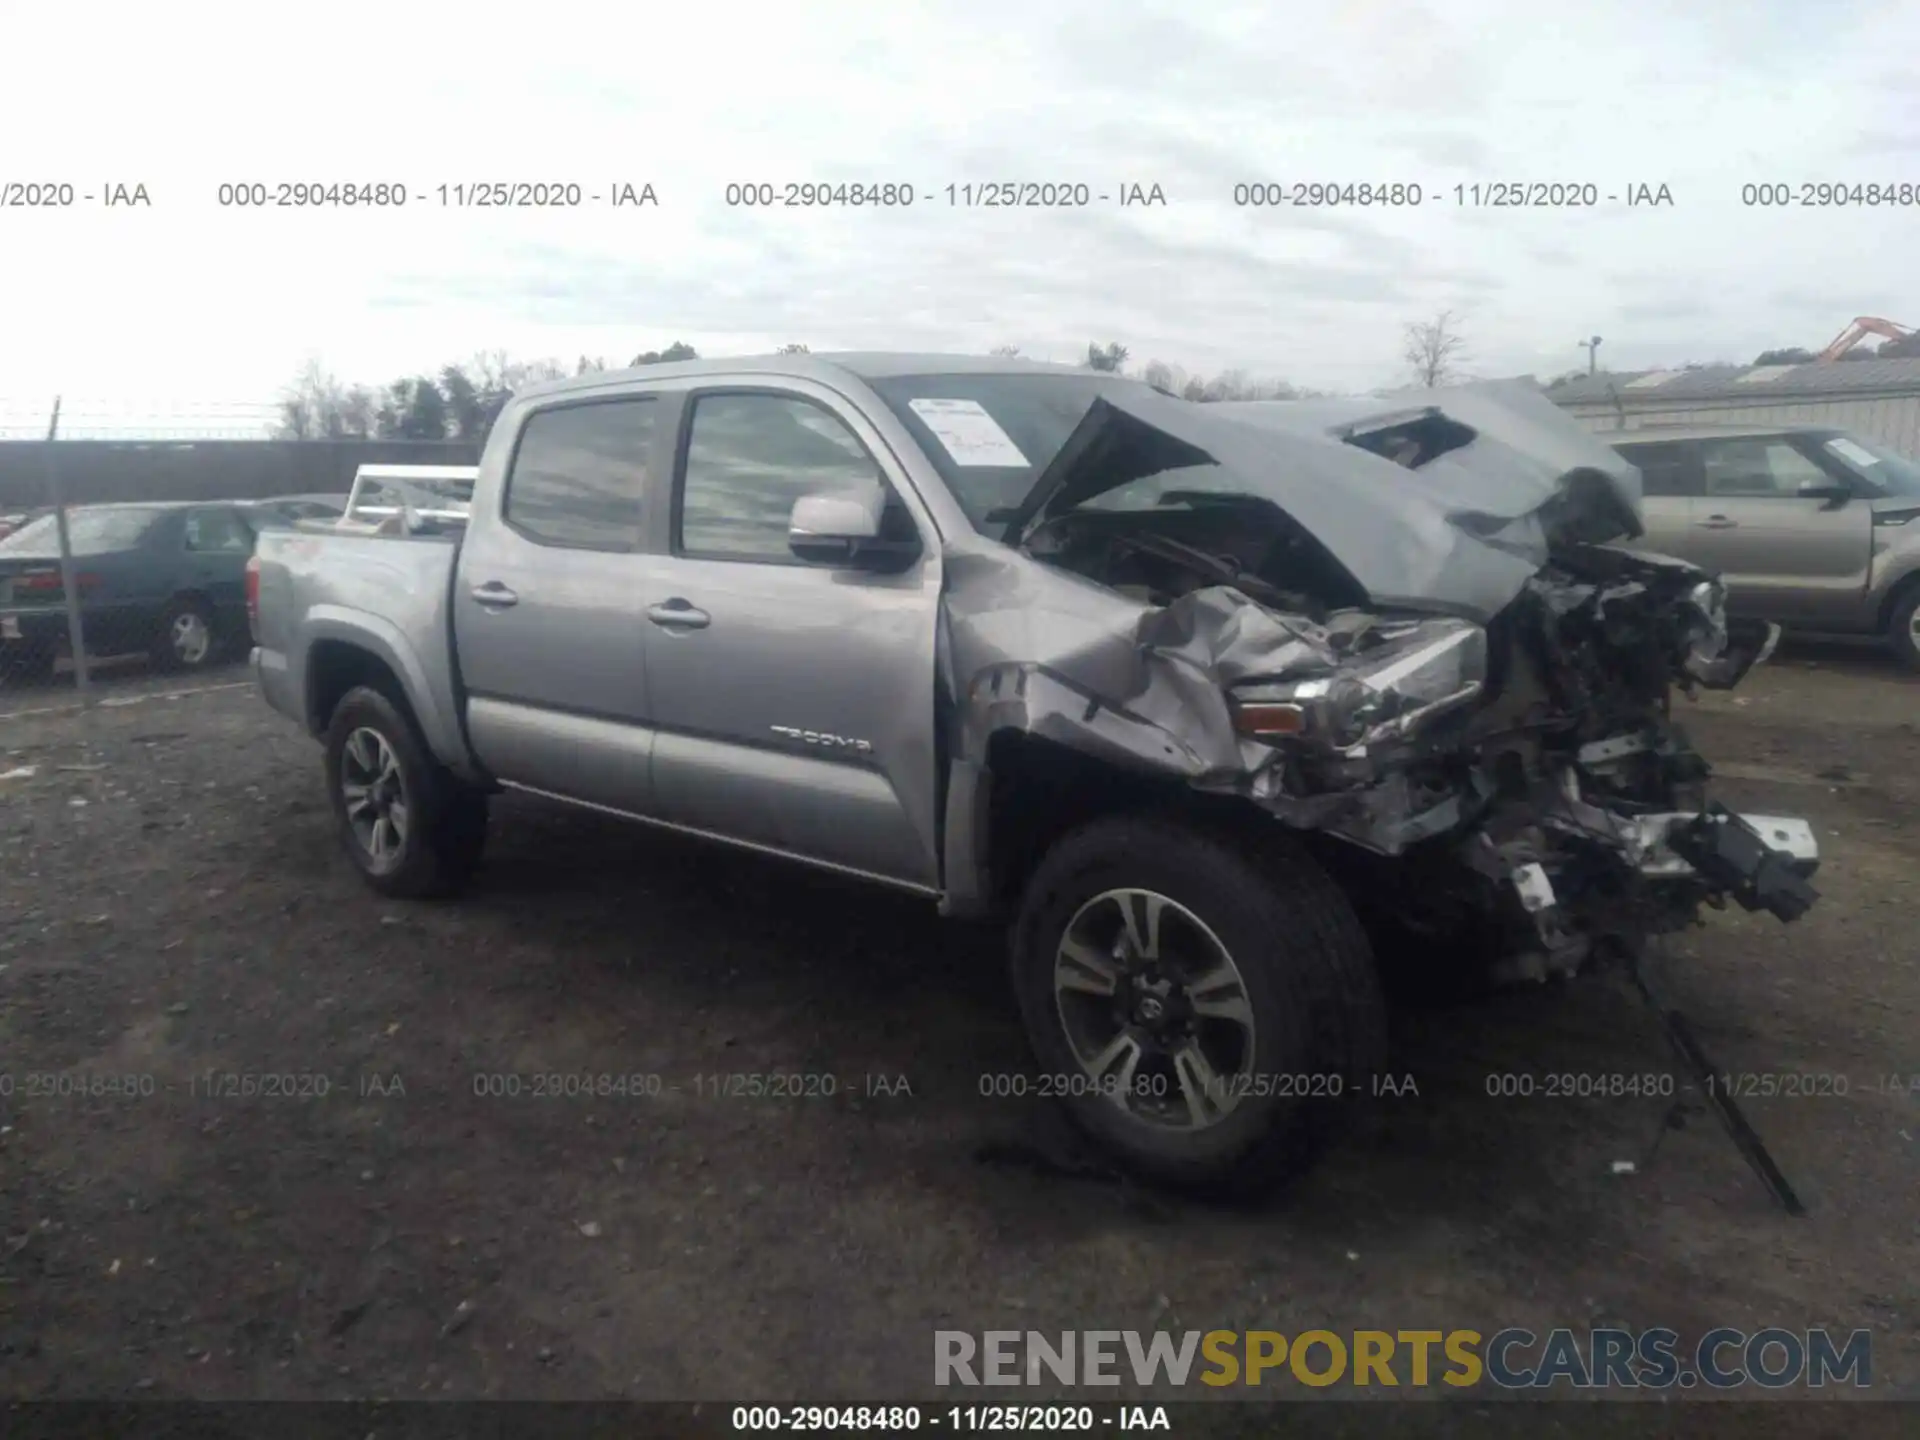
(172,905)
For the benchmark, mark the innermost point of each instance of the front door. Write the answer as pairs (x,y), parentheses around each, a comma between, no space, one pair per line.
(548,606)
(794,702)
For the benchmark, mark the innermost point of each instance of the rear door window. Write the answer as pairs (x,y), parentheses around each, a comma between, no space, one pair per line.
(579,476)
(217,532)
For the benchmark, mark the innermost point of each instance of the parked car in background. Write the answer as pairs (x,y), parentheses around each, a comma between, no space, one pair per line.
(1811,527)
(167,579)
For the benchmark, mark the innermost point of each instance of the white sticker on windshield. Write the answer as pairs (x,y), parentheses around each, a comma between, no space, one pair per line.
(1847,450)
(971,436)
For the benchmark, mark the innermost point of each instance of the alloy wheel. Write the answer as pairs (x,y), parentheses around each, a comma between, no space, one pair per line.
(1155,1010)
(190,637)
(375,793)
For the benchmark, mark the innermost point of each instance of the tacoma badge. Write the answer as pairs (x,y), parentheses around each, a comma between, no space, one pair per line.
(821,738)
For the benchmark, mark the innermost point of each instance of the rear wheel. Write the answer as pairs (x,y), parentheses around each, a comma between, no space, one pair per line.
(1201,1006)
(411,827)
(1903,631)
(28,664)
(185,638)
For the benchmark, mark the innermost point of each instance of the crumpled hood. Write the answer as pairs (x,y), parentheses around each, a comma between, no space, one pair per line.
(1462,533)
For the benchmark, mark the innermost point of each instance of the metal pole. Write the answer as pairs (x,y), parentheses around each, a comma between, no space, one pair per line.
(76,637)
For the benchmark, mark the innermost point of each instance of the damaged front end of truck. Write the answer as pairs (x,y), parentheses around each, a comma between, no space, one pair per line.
(1406,627)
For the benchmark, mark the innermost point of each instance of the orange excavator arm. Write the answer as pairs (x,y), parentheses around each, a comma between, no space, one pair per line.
(1861,327)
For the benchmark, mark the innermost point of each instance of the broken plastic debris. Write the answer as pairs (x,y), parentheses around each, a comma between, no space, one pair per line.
(590,1229)
(20,772)
(1624,1167)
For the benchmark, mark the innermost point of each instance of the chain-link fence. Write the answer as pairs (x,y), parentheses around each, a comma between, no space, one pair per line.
(125,532)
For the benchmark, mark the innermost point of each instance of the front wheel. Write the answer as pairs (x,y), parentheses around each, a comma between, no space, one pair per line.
(1903,631)
(411,828)
(1201,1005)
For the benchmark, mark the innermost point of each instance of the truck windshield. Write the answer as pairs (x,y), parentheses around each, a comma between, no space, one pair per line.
(89,532)
(1893,472)
(991,433)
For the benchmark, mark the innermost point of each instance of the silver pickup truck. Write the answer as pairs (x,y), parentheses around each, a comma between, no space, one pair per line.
(1215,703)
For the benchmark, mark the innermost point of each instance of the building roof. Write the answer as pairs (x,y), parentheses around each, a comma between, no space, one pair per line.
(1653,434)
(1743,382)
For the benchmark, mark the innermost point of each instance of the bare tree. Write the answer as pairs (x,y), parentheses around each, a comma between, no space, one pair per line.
(1434,349)
(1006,352)
(296,420)
(1162,377)
(794,349)
(1109,357)
(311,407)
(357,409)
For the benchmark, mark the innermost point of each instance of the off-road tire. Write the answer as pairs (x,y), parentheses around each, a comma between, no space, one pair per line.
(1306,965)
(161,652)
(1900,628)
(447,818)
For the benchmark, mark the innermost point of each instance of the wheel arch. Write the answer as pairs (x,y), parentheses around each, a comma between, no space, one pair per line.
(1898,593)
(1038,791)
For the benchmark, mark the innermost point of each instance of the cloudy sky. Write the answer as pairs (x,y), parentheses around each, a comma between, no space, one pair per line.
(190,310)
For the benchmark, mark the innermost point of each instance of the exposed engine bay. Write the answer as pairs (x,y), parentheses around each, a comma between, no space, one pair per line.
(1497,728)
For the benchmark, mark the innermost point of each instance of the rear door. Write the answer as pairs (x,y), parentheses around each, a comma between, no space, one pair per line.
(549,605)
(215,544)
(1785,557)
(795,702)
(1670,486)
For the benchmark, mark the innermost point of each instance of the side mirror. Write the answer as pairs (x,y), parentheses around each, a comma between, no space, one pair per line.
(842,529)
(1831,491)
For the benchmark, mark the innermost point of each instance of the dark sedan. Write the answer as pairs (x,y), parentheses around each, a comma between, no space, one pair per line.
(165,579)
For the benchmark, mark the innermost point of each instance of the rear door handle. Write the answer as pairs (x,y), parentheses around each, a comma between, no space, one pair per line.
(1719,522)
(678,614)
(494,595)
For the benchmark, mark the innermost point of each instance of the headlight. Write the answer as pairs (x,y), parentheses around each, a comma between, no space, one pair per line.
(1423,669)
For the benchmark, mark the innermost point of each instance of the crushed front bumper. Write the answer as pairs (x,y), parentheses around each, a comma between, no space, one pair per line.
(1763,861)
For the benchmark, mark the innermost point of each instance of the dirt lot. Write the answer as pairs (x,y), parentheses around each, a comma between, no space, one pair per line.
(172,904)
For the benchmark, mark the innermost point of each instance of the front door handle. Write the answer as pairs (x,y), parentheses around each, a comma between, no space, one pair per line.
(494,595)
(678,614)
(1719,522)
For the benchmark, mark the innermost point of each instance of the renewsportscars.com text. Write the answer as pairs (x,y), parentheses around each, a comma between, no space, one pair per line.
(1512,1359)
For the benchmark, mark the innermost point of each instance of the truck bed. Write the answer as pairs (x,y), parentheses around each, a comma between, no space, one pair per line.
(389,594)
